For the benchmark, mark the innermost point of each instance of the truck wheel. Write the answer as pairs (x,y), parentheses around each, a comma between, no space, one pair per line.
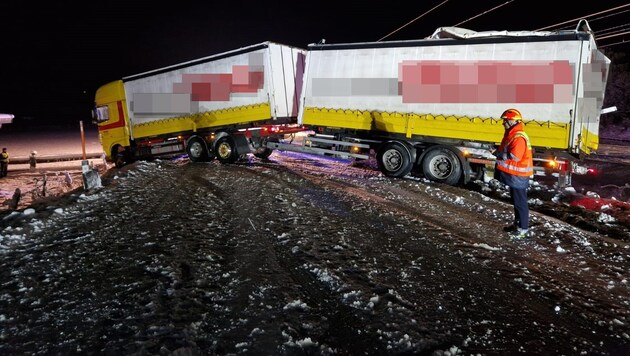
(442,165)
(394,159)
(119,161)
(263,153)
(118,156)
(225,149)
(196,150)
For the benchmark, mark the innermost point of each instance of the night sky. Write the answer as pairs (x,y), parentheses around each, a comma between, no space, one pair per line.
(55,55)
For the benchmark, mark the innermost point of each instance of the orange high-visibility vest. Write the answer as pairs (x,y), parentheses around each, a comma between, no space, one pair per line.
(519,166)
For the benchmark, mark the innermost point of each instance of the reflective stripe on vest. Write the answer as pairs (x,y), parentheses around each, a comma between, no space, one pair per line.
(524,167)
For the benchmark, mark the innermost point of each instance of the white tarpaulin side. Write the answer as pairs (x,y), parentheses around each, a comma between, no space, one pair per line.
(556,79)
(265,73)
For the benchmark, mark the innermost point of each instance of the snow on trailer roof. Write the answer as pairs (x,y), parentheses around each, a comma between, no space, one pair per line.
(452,35)
(464,33)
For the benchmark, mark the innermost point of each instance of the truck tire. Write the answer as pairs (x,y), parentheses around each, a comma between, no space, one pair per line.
(394,159)
(119,160)
(225,149)
(118,156)
(442,165)
(263,153)
(197,150)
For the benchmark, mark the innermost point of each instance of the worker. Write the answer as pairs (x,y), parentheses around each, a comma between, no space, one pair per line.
(4,162)
(32,160)
(514,167)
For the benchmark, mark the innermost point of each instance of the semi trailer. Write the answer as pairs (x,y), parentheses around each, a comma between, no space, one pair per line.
(431,105)
(223,103)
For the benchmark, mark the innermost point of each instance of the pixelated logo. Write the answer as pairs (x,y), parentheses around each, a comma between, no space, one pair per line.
(196,87)
(433,81)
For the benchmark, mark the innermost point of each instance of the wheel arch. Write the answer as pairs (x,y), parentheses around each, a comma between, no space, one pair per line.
(114,150)
(121,155)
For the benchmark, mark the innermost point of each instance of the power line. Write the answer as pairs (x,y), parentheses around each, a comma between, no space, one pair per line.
(600,33)
(483,13)
(591,20)
(609,15)
(583,17)
(613,35)
(614,29)
(615,43)
(408,23)
(612,32)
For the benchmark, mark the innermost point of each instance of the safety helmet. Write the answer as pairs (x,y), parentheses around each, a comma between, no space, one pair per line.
(512,114)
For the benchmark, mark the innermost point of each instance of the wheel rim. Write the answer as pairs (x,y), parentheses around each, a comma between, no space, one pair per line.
(196,149)
(392,160)
(441,167)
(224,150)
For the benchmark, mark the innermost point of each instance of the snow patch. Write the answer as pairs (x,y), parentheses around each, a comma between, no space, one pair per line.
(487,247)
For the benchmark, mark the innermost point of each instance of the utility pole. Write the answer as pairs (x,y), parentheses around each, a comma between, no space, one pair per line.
(82,139)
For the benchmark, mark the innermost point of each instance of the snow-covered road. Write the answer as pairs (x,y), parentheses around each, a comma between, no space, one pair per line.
(302,255)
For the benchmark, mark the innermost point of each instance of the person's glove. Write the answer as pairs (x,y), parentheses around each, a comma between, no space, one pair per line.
(501,156)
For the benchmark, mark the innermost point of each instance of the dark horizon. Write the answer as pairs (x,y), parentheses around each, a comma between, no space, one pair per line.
(41,125)
(58,54)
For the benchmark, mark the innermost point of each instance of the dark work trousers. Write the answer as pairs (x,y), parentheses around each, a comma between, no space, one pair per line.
(521,209)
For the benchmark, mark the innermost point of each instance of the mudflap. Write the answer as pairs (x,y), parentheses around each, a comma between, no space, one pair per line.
(242,144)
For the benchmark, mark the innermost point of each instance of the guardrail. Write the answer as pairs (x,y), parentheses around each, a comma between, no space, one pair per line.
(55,158)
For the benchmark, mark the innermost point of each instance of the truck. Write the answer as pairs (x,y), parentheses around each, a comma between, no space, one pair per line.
(430,105)
(229,103)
